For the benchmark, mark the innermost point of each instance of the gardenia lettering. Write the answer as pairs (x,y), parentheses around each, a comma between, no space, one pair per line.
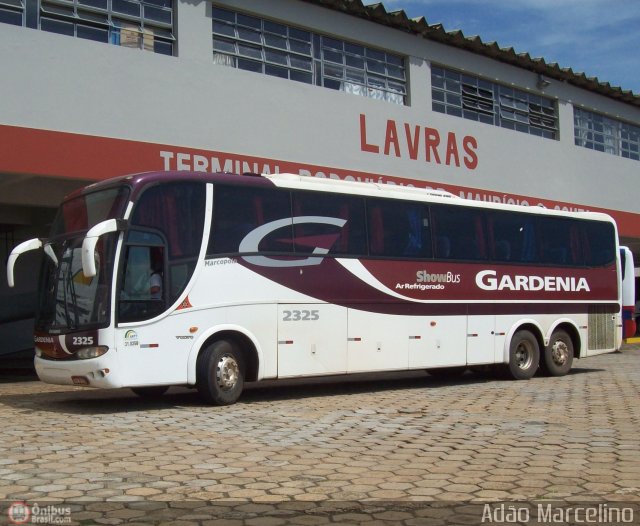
(491,280)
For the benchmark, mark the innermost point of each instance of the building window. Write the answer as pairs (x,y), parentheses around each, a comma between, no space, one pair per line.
(481,100)
(253,44)
(146,24)
(12,12)
(604,134)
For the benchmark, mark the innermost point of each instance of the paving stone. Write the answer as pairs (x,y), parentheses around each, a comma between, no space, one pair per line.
(387,442)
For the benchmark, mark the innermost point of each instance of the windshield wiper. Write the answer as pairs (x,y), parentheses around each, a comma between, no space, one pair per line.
(64,280)
(74,300)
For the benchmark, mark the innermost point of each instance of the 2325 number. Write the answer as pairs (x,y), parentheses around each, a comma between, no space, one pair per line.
(300,315)
(83,340)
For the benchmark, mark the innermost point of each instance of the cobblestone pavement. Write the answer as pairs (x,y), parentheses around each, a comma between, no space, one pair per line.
(388,449)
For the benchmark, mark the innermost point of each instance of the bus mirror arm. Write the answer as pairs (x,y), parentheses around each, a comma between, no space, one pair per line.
(49,252)
(91,240)
(26,246)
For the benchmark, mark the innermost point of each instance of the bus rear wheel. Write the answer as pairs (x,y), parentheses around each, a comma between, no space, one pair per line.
(558,355)
(524,355)
(220,373)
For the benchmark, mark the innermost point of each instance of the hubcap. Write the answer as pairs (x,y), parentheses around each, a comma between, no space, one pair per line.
(227,372)
(559,352)
(524,355)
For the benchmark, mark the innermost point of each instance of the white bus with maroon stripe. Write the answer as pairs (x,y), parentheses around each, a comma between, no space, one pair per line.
(212,280)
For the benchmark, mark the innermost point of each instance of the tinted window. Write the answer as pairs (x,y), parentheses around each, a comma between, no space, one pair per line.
(560,241)
(177,211)
(458,233)
(523,238)
(598,243)
(162,248)
(238,211)
(398,229)
(86,211)
(345,236)
(512,237)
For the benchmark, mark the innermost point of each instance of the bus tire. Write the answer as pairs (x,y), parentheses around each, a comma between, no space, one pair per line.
(524,355)
(558,355)
(150,391)
(220,373)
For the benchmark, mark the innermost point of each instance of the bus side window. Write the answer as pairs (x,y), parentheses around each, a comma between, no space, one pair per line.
(238,211)
(559,245)
(443,247)
(348,239)
(464,228)
(398,229)
(597,244)
(502,250)
(143,291)
(512,237)
(144,271)
(166,235)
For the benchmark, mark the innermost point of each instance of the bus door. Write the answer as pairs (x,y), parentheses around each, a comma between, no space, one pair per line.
(481,335)
(159,257)
(144,347)
(312,339)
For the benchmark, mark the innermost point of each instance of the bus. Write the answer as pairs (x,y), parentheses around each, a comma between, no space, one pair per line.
(213,280)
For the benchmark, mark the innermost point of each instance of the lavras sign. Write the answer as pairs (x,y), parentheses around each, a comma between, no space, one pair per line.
(419,142)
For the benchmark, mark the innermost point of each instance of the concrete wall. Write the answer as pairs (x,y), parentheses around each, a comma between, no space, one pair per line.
(63,84)
(60,83)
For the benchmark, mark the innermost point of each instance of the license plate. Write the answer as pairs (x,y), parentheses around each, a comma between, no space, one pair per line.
(80,380)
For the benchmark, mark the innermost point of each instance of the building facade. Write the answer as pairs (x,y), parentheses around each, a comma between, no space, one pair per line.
(328,88)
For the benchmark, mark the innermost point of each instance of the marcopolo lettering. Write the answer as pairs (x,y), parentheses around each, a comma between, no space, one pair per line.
(491,280)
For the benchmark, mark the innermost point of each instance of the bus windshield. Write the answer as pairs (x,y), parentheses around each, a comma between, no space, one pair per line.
(69,300)
(81,213)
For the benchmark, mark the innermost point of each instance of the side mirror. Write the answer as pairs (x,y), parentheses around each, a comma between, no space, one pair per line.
(91,240)
(26,246)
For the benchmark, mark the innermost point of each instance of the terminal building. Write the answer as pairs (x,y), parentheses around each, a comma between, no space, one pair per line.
(93,89)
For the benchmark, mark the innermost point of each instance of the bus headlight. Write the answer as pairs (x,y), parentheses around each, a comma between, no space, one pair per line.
(87,353)
(38,352)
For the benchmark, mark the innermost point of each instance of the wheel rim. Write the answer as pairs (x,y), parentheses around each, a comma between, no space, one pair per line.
(227,372)
(559,352)
(524,355)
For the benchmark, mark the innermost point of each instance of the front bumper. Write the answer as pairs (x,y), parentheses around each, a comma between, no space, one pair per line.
(96,372)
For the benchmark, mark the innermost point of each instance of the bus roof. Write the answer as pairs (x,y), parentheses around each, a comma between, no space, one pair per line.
(140,181)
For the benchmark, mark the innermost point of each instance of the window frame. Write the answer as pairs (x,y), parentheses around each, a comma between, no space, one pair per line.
(474,98)
(13,7)
(152,28)
(599,132)
(252,43)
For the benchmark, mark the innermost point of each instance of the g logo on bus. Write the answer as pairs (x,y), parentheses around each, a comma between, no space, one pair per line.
(252,240)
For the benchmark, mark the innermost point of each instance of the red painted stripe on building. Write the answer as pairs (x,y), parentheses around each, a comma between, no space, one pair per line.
(76,156)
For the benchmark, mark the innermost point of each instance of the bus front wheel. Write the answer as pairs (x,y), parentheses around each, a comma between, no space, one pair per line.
(220,373)
(524,355)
